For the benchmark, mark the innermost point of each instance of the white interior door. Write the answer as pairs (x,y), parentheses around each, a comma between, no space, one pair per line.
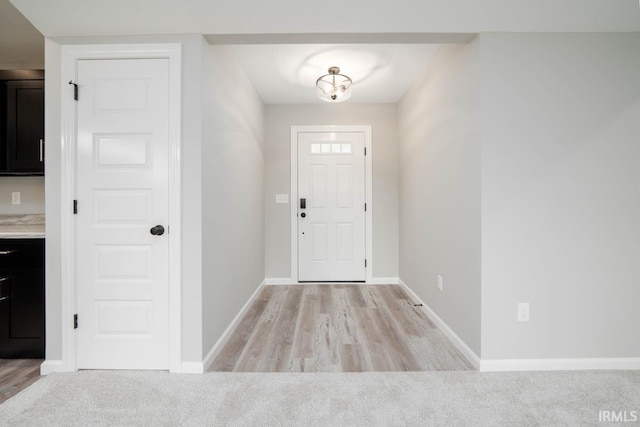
(122,191)
(331,206)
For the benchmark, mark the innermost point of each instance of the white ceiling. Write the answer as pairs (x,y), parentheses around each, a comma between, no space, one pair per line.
(386,54)
(286,74)
(93,17)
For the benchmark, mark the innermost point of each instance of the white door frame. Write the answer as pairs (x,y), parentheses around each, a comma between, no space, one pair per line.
(295,130)
(71,54)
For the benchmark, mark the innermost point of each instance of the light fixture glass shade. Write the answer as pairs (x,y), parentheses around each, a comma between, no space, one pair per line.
(334,87)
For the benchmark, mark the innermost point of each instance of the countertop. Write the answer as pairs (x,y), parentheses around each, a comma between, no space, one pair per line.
(28,226)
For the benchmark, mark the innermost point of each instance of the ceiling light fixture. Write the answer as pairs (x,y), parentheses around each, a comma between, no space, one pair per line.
(334,87)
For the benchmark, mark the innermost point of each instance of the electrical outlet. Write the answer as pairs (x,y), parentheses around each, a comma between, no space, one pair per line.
(439,283)
(15,198)
(523,312)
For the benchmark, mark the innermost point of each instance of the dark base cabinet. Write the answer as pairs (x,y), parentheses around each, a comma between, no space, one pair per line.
(22,298)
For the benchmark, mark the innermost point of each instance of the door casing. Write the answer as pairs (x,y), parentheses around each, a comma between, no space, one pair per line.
(295,130)
(70,55)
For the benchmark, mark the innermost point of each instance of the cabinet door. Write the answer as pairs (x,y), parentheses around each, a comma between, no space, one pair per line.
(22,313)
(22,332)
(25,126)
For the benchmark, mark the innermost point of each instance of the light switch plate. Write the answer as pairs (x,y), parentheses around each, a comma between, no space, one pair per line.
(523,312)
(15,198)
(282,198)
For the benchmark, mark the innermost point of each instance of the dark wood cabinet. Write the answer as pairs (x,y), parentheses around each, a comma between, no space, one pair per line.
(22,324)
(22,127)
(25,126)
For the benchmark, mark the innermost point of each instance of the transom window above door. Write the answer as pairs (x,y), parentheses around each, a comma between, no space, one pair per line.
(331,148)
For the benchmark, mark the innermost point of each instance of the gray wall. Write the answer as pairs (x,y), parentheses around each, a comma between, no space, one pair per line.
(560,195)
(232,191)
(191,186)
(527,144)
(440,189)
(31,195)
(382,118)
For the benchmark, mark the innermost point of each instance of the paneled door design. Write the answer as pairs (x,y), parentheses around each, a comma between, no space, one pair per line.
(122,191)
(331,206)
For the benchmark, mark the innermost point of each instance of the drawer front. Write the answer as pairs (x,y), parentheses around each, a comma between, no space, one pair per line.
(21,252)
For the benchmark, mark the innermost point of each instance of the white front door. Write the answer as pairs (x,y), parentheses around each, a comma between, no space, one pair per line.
(122,191)
(331,206)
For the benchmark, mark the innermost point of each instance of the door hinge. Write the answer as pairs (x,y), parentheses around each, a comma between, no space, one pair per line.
(75,89)
(365,151)
(75,207)
(75,321)
(365,207)
(365,263)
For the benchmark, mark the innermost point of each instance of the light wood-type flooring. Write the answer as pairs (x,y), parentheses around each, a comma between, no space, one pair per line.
(16,375)
(336,328)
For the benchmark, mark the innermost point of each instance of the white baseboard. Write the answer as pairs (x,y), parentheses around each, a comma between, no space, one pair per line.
(471,356)
(580,364)
(384,281)
(191,368)
(373,281)
(211,355)
(50,366)
(277,281)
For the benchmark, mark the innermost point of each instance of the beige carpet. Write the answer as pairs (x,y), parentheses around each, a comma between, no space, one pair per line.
(461,398)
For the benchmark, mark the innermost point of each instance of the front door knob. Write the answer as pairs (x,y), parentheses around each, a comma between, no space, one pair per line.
(158,230)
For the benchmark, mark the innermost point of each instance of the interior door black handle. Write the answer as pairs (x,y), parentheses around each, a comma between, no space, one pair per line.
(158,230)
(303,203)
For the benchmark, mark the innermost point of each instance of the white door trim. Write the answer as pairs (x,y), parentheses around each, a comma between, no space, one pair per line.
(70,55)
(368,192)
